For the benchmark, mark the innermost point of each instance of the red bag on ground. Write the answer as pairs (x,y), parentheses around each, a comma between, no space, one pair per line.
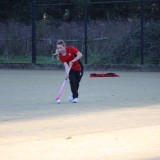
(104,75)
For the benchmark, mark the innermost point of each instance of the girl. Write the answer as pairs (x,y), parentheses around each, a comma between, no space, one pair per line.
(70,56)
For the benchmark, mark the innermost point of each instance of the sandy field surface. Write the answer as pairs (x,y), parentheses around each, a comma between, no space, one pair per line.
(117,118)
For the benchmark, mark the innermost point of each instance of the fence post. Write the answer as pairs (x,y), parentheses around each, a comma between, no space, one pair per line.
(142,32)
(85,30)
(33,32)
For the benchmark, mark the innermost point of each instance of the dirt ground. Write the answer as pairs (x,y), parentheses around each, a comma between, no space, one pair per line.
(117,118)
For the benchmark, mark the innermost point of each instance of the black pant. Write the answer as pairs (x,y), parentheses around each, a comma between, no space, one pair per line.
(75,78)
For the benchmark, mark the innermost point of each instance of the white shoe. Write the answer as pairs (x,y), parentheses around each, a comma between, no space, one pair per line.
(70,98)
(75,100)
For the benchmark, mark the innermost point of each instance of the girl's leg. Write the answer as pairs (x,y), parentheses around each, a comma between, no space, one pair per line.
(75,78)
(73,84)
(78,78)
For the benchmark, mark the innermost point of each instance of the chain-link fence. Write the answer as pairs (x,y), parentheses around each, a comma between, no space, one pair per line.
(118,32)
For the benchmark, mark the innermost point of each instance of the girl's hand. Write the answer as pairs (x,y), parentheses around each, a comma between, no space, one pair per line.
(66,75)
(57,52)
(70,64)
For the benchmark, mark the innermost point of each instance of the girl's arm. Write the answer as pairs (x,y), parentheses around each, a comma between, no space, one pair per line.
(67,69)
(56,54)
(79,55)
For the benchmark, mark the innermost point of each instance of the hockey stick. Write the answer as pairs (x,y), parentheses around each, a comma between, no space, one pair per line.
(61,89)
